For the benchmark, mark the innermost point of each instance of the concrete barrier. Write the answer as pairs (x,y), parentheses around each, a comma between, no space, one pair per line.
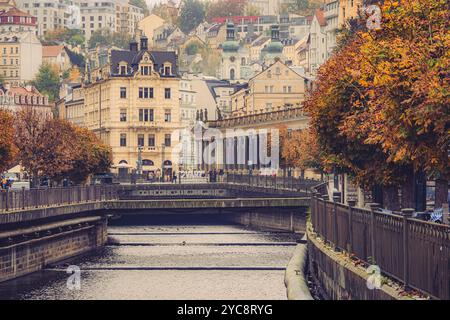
(294,278)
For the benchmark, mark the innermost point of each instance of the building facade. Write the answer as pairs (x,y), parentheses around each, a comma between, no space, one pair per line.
(317,42)
(57,56)
(14,20)
(50,14)
(71,107)
(14,98)
(277,87)
(331,15)
(348,9)
(149,24)
(135,109)
(115,15)
(20,57)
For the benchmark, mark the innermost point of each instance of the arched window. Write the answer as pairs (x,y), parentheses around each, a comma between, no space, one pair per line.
(123,162)
(232,75)
(167,163)
(147,162)
(242,61)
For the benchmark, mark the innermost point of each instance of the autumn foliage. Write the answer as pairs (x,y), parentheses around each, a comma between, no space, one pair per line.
(381,103)
(57,149)
(299,149)
(7,147)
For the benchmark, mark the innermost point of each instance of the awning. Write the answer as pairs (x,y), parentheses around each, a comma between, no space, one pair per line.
(16,169)
(122,166)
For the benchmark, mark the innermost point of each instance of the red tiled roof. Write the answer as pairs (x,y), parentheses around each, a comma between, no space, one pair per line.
(321,18)
(51,51)
(24,91)
(14,12)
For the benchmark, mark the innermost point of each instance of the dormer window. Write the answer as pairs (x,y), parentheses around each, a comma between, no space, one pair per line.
(146,70)
(146,65)
(123,68)
(167,69)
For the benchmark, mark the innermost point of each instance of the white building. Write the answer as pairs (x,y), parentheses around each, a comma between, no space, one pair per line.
(318,42)
(50,14)
(115,15)
(331,15)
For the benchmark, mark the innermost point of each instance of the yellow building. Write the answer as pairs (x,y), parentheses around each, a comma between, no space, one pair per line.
(71,107)
(137,105)
(20,57)
(149,24)
(348,9)
(275,88)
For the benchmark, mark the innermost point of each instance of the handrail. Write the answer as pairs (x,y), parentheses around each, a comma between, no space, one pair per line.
(412,251)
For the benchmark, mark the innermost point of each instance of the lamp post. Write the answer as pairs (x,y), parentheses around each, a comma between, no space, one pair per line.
(163,149)
(139,162)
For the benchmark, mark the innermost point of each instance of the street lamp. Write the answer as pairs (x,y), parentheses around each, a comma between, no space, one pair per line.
(139,162)
(163,149)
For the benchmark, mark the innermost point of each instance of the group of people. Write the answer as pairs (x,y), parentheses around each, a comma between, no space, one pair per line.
(6,183)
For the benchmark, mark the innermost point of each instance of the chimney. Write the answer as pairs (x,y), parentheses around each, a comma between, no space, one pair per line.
(144,43)
(133,46)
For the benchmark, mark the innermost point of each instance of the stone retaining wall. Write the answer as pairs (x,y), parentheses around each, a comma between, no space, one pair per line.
(276,218)
(26,257)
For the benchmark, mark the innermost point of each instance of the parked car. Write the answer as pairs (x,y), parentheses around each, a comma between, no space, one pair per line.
(104,178)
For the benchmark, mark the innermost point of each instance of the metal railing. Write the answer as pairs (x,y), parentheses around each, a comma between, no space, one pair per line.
(412,251)
(290,183)
(11,200)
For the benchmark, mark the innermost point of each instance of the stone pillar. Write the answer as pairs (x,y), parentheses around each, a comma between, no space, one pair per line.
(406,214)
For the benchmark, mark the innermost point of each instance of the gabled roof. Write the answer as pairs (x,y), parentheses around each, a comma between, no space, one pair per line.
(51,51)
(14,12)
(260,41)
(271,67)
(321,18)
(133,59)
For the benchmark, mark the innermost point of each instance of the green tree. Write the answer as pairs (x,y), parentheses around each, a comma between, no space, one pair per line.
(64,35)
(192,14)
(223,8)
(104,37)
(47,81)
(141,4)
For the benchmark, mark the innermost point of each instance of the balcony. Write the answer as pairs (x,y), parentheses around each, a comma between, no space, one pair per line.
(260,118)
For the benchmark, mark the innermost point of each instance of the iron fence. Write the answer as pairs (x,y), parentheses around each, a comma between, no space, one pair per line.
(11,200)
(291,183)
(412,251)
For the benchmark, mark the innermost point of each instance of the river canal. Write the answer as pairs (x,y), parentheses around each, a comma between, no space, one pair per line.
(167,261)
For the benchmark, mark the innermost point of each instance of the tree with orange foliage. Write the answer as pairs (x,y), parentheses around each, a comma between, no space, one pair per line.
(301,150)
(7,147)
(380,108)
(57,149)
(45,144)
(91,156)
